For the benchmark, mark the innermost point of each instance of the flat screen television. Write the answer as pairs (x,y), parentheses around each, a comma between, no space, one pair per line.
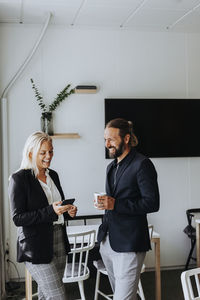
(164,127)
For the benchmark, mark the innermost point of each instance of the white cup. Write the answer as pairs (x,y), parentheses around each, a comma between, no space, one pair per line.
(96,194)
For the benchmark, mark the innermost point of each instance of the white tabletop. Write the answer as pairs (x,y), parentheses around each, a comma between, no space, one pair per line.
(83,228)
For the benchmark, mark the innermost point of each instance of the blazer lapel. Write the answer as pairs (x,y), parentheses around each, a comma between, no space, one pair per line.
(56,184)
(123,167)
(108,188)
(39,188)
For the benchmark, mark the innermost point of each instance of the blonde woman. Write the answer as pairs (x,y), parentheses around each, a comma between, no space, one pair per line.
(36,194)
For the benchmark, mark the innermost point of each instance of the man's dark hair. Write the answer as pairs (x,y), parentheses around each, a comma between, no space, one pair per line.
(125,127)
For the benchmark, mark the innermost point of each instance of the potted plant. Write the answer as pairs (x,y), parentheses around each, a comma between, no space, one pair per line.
(47,116)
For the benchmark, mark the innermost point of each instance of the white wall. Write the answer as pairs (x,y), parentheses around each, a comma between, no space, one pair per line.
(123,64)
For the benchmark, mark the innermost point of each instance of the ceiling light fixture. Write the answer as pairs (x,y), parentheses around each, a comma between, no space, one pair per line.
(181,18)
(133,13)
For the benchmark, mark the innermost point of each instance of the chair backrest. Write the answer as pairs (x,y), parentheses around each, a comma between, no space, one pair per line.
(192,215)
(150,231)
(190,284)
(77,259)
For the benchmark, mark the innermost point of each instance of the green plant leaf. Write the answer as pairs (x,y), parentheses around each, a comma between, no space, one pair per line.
(57,101)
(39,97)
(61,97)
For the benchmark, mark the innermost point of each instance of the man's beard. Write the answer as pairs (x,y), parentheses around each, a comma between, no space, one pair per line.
(118,151)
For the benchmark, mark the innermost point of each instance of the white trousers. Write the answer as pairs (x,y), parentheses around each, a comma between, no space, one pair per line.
(123,270)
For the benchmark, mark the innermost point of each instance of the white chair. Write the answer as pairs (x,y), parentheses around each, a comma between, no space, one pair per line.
(190,284)
(99,265)
(76,269)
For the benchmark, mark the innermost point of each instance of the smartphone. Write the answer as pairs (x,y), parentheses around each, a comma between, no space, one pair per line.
(68,201)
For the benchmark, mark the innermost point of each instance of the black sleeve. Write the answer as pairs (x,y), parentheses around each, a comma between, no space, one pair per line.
(19,202)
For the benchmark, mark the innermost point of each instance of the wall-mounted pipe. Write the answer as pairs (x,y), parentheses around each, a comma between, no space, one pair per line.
(21,69)
(4,134)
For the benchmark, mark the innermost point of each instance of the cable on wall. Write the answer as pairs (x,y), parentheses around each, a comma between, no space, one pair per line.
(21,12)
(78,12)
(133,13)
(185,15)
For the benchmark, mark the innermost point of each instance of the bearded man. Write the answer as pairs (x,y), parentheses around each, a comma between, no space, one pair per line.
(131,193)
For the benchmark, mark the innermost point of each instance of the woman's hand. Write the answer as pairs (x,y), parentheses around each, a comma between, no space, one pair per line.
(72,211)
(61,209)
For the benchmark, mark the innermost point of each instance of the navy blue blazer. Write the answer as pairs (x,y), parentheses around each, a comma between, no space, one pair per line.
(34,217)
(136,194)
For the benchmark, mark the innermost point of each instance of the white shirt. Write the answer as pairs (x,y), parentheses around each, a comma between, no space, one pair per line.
(52,194)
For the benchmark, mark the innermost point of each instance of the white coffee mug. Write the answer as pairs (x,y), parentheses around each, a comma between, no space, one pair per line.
(96,194)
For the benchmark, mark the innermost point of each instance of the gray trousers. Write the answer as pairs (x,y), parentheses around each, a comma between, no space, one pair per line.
(123,270)
(49,276)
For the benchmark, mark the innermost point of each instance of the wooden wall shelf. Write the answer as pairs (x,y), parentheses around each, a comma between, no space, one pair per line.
(65,136)
(85,89)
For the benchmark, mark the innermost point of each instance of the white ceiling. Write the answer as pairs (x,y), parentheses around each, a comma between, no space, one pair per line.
(155,15)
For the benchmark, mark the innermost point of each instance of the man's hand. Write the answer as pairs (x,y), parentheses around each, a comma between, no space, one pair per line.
(105,202)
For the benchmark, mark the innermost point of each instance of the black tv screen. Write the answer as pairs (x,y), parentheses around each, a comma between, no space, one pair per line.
(164,127)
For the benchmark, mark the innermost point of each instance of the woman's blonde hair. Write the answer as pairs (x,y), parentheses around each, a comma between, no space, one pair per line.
(32,145)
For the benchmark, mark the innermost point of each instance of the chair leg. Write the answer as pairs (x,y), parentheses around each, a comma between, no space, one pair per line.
(193,242)
(97,285)
(140,290)
(28,284)
(81,289)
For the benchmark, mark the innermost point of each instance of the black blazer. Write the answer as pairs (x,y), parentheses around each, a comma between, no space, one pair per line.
(136,194)
(34,217)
